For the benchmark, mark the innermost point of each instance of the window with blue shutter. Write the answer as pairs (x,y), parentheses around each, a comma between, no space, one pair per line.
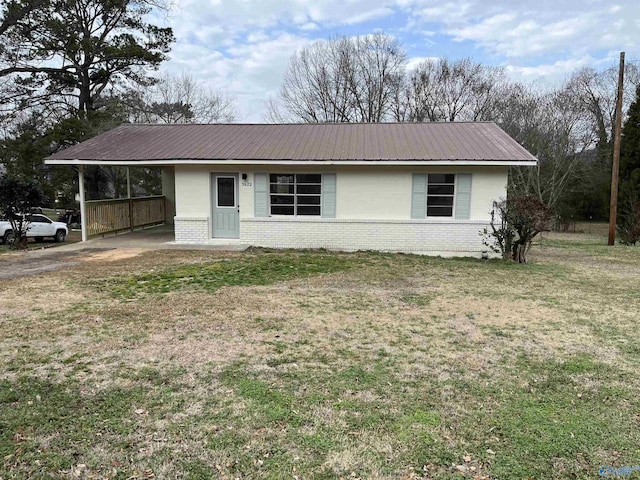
(295,194)
(441,195)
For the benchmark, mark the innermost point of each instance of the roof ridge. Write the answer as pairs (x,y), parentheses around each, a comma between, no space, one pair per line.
(316,124)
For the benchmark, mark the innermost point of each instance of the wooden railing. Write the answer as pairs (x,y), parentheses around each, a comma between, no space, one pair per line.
(107,216)
(147,211)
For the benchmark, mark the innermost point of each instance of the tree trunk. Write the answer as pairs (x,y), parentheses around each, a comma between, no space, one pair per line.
(519,251)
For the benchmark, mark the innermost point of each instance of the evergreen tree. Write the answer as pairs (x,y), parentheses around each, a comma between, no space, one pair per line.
(630,144)
(57,50)
(629,197)
(18,196)
(22,153)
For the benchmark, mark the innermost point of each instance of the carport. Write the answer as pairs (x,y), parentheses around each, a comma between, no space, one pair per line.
(112,216)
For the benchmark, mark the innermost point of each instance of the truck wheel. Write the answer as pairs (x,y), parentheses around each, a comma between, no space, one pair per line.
(60,236)
(8,238)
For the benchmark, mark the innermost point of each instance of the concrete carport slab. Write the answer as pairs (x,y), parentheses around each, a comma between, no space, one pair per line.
(33,262)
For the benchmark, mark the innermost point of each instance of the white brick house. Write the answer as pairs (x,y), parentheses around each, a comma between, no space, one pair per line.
(423,188)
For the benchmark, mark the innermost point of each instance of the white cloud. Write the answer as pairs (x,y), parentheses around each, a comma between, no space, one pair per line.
(250,72)
(255,37)
(551,71)
(517,29)
(243,46)
(309,26)
(561,70)
(368,15)
(243,15)
(413,62)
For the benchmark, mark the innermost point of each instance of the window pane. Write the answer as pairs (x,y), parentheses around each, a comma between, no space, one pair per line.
(295,194)
(441,178)
(308,200)
(439,201)
(226,192)
(441,189)
(281,210)
(281,188)
(308,210)
(281,199)
(439,211)
(309,178)
(309,189)
(281,178)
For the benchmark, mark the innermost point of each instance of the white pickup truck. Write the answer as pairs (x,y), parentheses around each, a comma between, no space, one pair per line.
(39,228)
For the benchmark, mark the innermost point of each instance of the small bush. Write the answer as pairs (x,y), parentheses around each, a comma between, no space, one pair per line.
(628,224)
(515,222)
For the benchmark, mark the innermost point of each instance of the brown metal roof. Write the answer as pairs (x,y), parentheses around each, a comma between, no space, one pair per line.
(463,142)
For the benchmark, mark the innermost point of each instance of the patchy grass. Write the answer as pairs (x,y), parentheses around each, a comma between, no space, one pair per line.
(264,364)
(262,269)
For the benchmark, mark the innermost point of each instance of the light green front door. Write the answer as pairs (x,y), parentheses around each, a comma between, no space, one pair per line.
(226,211)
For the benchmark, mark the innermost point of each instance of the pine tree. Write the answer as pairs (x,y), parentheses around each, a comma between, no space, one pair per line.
(629,199)
(57,50)
(630,144)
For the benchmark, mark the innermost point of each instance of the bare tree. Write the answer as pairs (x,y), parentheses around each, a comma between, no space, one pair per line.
(597,93)
(343,80)
(179,99)
(276,112)
(552,126)
(515,222)
(445,90)
(375,75)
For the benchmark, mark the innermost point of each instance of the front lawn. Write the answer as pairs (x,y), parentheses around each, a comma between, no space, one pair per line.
(261,364)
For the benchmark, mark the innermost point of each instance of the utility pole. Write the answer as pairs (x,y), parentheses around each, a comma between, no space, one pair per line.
(613,210)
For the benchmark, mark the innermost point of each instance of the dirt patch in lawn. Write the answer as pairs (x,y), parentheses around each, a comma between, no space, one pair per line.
(114,254)
(27,264)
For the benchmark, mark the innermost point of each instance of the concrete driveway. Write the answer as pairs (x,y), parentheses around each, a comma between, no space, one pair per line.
(33,262)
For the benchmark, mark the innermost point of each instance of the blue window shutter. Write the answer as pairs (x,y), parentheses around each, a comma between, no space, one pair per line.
(463,196)
(419,196)
(329,195)
(261,195)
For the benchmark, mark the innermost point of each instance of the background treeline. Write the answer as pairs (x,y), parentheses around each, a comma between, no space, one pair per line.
(569,127)
(70,69)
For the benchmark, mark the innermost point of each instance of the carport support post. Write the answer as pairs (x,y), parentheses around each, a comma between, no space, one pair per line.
(83,219)
(129,197)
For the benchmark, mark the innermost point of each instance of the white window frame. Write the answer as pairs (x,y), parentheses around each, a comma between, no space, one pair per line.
(453,205)
(295,195)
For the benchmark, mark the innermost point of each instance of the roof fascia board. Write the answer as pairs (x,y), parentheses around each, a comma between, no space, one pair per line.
(130,163)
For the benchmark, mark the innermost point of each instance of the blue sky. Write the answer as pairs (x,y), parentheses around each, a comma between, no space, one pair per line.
(242,47)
